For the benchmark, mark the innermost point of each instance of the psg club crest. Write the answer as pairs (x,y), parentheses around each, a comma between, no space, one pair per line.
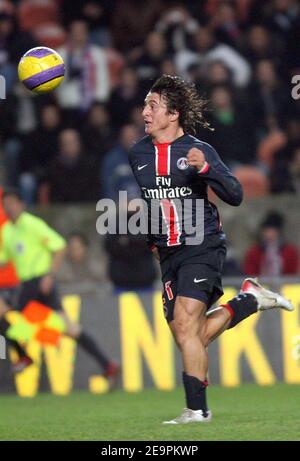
(182,163)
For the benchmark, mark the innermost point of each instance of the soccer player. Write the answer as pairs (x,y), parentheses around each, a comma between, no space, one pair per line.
(37,252)
(171,166)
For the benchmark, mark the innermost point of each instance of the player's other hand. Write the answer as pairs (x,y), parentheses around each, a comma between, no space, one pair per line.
(196,158)
(46,284)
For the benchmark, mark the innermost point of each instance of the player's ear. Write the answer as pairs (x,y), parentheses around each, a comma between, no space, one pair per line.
(174,116)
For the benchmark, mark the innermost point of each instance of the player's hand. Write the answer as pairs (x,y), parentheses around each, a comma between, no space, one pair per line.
(46,284)
(196,158)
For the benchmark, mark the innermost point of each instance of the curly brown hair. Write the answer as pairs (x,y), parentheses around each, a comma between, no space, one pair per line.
(183,97)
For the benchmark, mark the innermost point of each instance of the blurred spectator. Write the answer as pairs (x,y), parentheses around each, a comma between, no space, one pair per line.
(243,8)
(282,171)
(132,21)
(13,44)
(168,67)
(148,64)
(292,129)
(27,157)
(285,175)
(283,19)
(294,171)
(225,24)
(116,63)
(268,95)
(97,132)
(233,135)
(293,47)
(130,265)
(36,154)
(177,26)
(217,73)
(26,154)
(79,266)
(96,14)
(72,176)
(8,119)
(272,255)
(26,109)
(24,122)
(283,16)
(260,44)
(136,119)
(87,78)
(116,173)
(207,49)
(211,74)
(270,144)
(125,97)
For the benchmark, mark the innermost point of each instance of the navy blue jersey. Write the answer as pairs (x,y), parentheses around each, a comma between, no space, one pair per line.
(164,177)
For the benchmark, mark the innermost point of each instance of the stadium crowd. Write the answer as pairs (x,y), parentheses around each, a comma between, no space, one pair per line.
(241,54)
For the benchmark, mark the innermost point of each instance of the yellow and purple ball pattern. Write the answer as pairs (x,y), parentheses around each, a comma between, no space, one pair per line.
(41,69)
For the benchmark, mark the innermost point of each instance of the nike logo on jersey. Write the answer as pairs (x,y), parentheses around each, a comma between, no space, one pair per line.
(142,166)
(199,280)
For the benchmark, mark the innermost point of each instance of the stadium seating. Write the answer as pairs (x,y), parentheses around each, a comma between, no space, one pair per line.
(254,182)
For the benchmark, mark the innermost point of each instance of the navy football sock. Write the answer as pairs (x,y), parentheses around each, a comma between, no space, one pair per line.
(195,393)
(240,307)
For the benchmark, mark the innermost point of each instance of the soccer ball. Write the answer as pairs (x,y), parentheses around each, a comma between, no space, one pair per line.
(41,69)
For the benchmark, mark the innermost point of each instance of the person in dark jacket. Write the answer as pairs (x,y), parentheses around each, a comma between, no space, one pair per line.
(72,176)
(131,265)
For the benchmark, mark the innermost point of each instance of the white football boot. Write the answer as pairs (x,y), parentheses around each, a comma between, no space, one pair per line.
(191,416)
(266,299)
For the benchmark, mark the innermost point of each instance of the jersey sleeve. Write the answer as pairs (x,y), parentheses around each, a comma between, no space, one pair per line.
(52,240)
(219,177)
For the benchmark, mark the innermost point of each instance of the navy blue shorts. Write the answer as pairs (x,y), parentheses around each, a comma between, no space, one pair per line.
(193,271)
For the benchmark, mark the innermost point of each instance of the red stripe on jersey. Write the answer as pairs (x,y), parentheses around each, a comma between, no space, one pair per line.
(170,216)
(162,159)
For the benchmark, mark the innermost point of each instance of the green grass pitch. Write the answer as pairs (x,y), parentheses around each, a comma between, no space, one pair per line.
(249,412)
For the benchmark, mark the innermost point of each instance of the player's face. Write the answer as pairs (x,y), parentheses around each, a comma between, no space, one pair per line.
(155,114)
(13,207)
